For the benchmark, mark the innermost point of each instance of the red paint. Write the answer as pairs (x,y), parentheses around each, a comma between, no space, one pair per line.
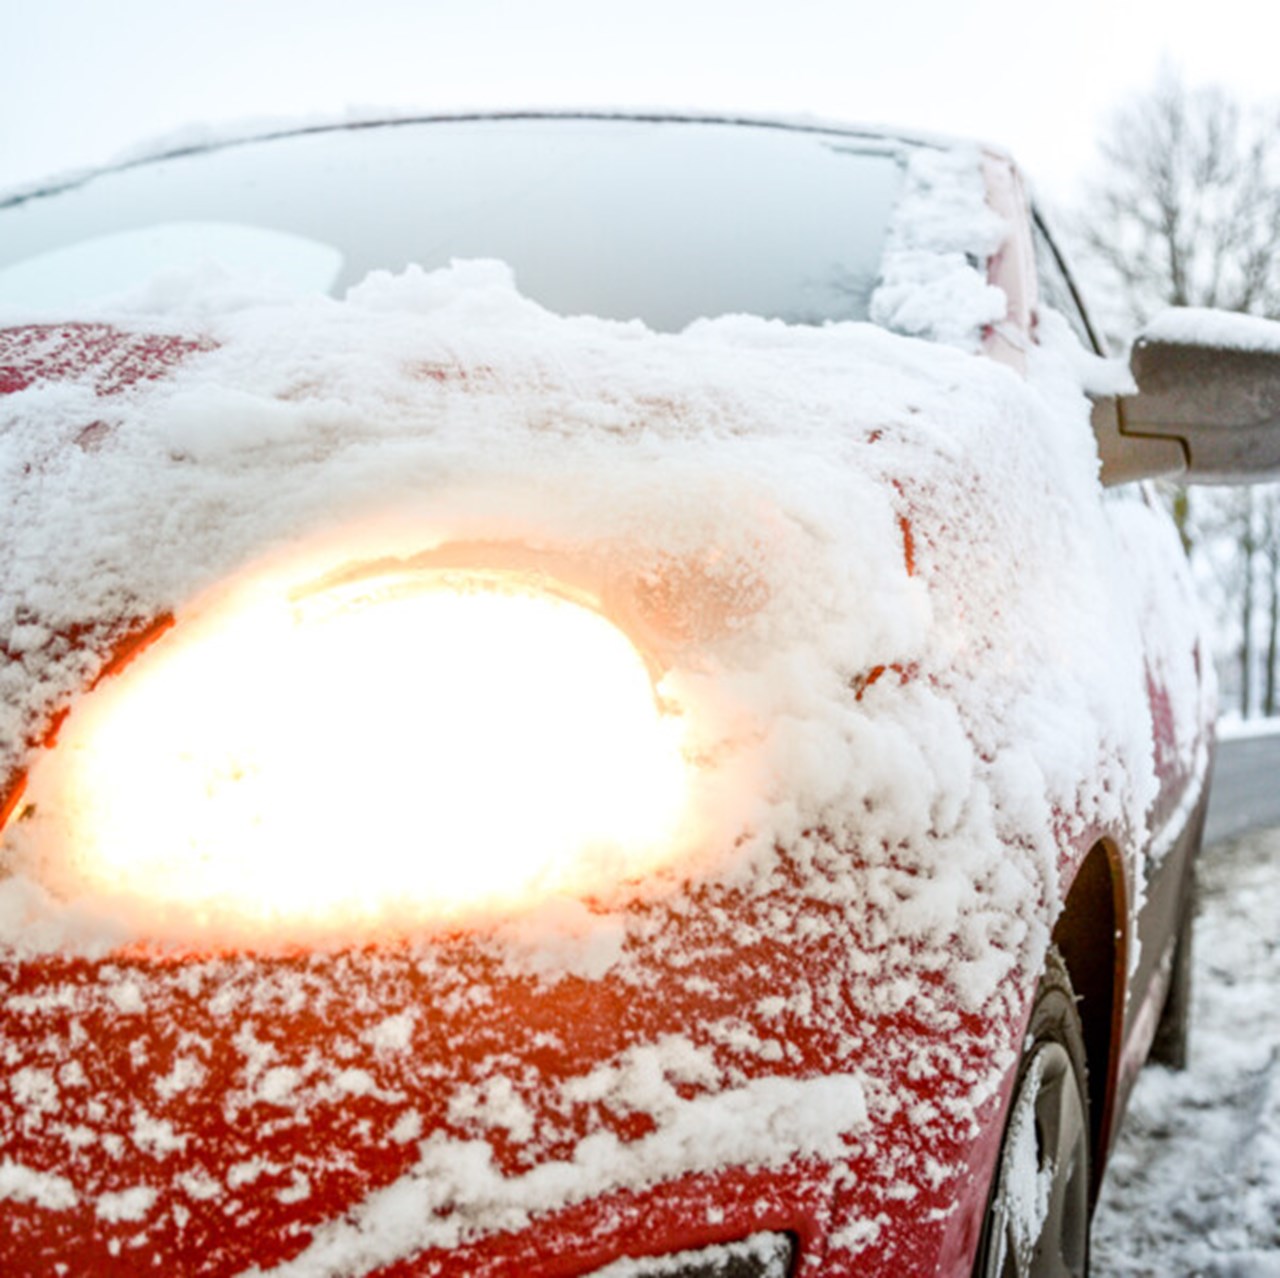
(112,359)
(555,1031)
(908,545)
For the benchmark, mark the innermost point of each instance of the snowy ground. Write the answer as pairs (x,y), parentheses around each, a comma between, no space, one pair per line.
(1193,1190)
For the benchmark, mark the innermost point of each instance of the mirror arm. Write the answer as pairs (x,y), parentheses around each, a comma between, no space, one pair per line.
(1128,456)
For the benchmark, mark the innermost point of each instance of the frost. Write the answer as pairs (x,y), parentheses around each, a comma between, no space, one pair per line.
(493,1105)
(156,1135)
(357,1082)
(298,1190)
(455,1189)
(23,1185)
(408,1127)
(394,1034)
(127,997)
(645,1077)
(35,1090)
(201,1187)
(126,1205)
(860,1235)
(245,1173)
(186,1073)
(277,1085)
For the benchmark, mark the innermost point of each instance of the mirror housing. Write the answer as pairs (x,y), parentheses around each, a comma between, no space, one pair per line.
(1208,382)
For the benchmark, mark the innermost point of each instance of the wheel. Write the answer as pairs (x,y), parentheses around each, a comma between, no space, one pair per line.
(1037,1222)
(1169,1047)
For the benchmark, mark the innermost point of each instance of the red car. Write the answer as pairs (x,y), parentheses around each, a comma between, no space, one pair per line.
(574,704)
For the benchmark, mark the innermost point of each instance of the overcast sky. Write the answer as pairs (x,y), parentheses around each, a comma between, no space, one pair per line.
(85,79)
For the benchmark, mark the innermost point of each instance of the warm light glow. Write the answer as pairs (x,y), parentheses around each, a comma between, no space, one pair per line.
(403,747)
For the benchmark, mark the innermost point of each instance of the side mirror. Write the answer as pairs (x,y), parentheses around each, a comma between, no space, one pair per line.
(1208,381)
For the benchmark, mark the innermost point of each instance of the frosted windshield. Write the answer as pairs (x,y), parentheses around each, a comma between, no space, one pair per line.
(661,221)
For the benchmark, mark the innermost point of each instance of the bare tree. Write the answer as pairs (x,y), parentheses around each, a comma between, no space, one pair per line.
(1185,211)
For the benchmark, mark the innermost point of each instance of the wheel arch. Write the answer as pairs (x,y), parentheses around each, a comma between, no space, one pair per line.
(1091,935)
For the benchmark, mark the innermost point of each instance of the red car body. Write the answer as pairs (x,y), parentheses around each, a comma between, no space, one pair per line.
(218,1111)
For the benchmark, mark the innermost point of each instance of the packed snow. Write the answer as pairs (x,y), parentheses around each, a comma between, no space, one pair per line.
(1224,330)
(1029,1186)
(859,451)
(1193,1187)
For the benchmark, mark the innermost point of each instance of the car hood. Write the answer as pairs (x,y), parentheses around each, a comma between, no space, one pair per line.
(875,567)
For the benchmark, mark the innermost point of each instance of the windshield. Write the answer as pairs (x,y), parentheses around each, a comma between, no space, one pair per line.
(665,221)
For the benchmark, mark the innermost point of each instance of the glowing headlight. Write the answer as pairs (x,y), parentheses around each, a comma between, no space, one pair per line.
(398,747)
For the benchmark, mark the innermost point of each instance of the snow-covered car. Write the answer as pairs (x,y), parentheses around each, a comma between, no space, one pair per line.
(585,695)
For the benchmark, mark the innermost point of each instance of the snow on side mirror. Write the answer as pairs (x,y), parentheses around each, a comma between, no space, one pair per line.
(1210,381)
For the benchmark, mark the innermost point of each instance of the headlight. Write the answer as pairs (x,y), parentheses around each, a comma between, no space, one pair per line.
(392,745)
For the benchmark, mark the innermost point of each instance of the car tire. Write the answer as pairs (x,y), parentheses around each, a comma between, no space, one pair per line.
(1170,1045)
(1037,1223)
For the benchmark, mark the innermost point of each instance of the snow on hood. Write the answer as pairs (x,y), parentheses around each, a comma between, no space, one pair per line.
(919,531)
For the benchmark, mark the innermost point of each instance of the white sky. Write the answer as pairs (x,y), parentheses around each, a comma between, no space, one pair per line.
(85,79)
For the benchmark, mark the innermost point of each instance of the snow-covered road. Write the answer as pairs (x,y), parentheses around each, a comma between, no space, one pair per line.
(1193,1190)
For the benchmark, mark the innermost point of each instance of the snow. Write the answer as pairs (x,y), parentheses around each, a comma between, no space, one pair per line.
(889,562)
(1028,1185)
(186,1072)
(156,1135)
(23,1185)
(454,1191)
(577,432)
(1193,1186)
(495,1105)
(34,1090)
(129,1204)
(770,1249)
(1231,727)
(929,286)
(395,1033)
(1223,330)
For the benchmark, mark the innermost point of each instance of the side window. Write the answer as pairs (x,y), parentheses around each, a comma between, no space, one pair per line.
(1056,289)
